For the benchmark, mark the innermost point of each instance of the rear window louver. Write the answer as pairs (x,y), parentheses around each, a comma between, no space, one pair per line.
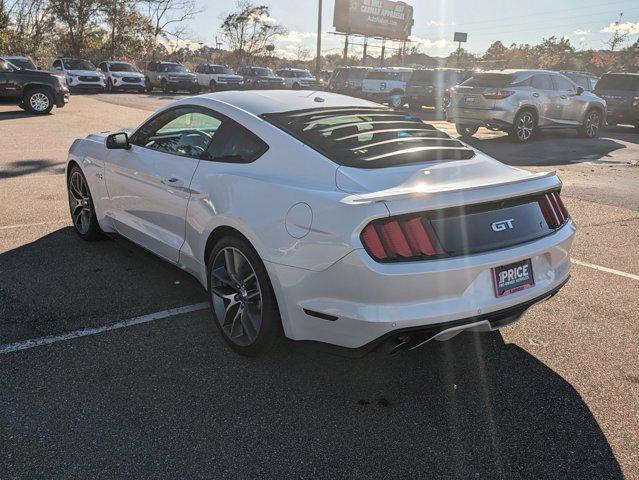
(369,137)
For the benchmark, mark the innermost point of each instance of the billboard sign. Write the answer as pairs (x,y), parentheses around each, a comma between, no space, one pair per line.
(374,18)
(461,37)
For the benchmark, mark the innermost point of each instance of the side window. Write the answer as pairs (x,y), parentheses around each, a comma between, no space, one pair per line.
(184,131)
(593,82)
(103,67)
(542,82)
(235,144)
(57,64)
(564,84)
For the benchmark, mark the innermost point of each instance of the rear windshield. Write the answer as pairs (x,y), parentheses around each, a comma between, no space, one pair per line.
(619,82)
(369,137)
(489,80)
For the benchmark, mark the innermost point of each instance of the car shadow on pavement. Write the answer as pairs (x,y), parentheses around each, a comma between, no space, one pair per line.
(17,114)
(170,400)
(59,283)
(27,167)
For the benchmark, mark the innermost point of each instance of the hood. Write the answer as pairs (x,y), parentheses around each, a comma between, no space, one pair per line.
(407,188)
(84,73)
(127,74)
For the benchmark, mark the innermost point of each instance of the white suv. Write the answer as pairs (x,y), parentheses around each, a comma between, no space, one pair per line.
(122,76)
(217,77)
(297,78)
(80,74)
(387,84)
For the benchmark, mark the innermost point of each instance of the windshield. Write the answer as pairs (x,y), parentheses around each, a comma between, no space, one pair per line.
(22,63)
(262,72)
(628,83)
(489,80)
(122,67)
(78,65)
(173,67)
(369,137)
(224,70)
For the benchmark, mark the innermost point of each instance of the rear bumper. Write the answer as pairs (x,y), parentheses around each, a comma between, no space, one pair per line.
(369,301)
(482,117)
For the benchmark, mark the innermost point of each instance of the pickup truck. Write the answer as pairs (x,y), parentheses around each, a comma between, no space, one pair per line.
(32,90)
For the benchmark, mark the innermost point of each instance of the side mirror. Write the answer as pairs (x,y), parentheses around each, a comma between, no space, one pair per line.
(580,90)
(118,141)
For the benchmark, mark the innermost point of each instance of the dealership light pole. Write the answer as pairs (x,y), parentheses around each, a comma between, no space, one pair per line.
(318,57)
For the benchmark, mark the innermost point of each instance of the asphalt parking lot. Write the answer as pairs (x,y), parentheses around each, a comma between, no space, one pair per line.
(554,396)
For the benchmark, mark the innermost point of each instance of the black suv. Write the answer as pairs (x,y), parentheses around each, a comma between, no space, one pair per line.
(33,90)
(347,80)
(621,93)
(259,78)
(429,87)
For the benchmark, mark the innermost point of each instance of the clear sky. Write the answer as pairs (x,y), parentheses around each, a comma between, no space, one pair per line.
(436,20)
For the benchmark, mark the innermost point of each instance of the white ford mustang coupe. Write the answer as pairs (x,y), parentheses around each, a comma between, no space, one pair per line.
(322,217)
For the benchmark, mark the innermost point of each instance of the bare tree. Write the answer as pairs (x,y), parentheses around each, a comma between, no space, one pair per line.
(32,26)
(249,30)
(167,17)
(619,35)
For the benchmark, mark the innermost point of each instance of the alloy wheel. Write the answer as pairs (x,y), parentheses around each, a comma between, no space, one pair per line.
(39,102)
(593,122)
(525,126)
(80,203)
(237,296)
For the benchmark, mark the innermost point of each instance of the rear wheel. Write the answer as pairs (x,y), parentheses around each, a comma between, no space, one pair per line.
(296,86)
(591,124)
(524,126)
(242,298)
(396,99)
(38,101)
(83,214)
(466,131)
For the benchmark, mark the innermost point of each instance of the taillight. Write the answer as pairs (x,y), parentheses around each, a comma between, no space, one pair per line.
(498,95)
(553,209)
(401,238)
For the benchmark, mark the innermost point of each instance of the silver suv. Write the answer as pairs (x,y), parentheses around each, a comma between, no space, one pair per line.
(522,101)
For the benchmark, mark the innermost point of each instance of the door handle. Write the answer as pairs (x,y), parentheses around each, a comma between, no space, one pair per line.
(536,95)
(173,181)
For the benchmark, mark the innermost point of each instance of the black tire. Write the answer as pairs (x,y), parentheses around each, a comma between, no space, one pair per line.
(38,101)
(212,86)
(296,86)
(415,106)
(149,85)
(524,126)
(396,99)
(466,131)
(90,231)
(591,124)
(269,336)
(165,86)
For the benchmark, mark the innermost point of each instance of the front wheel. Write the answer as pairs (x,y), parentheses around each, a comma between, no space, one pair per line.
(591,124)
(242,298)
(83,214)
(524,127)
(38,101)
(466,131)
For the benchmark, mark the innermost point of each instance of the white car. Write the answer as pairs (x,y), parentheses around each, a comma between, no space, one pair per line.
(80,74)
(217,77)
(122,76)
(327,218)
(387,84)
(297,78)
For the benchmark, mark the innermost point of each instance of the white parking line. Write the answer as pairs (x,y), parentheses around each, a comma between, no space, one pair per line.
(606,269)
(84,332)
(36,224)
